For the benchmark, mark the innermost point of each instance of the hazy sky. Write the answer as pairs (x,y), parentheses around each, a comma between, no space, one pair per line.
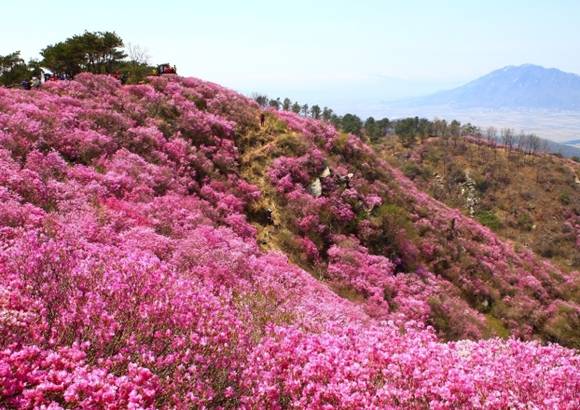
(317,47)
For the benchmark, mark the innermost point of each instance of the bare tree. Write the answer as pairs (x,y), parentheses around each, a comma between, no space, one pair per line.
(544,147)
(520,141)
(137,53)
(507,139)
(477,134)
(534,144)
(491,138)
(491,135)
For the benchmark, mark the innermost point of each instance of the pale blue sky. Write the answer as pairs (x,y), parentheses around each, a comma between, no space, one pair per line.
(327,49)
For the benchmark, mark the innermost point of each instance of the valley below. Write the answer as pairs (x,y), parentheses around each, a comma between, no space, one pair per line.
(558,126)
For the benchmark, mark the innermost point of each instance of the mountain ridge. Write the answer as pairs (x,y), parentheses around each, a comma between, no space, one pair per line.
(524,86)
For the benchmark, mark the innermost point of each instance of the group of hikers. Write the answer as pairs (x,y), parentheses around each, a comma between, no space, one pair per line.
(30,84)
(35,82)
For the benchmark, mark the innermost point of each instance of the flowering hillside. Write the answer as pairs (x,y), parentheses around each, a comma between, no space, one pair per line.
(160,249)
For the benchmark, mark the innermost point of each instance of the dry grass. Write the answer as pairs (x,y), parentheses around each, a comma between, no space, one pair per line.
(532,196)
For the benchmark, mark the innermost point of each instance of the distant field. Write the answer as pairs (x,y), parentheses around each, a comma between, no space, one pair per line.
(557,126)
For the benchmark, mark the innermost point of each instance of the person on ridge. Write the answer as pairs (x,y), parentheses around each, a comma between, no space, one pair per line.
(452,232)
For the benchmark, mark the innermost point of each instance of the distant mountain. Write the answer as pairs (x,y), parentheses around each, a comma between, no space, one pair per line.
(513,87)
(566,149)
(573,143)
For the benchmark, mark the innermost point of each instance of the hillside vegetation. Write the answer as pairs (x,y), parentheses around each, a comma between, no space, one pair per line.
(160,248)
(533,200)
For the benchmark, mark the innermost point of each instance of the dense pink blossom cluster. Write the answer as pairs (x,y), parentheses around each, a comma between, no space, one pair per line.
(380,368)
(130,276)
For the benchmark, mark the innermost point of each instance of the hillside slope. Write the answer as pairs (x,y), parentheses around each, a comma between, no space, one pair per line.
(531,199)
(468,282)
(146,234)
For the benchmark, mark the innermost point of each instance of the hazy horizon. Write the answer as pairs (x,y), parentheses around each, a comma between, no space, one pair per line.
(350,56)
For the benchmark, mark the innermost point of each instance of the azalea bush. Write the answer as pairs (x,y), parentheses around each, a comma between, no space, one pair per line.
(410,370)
